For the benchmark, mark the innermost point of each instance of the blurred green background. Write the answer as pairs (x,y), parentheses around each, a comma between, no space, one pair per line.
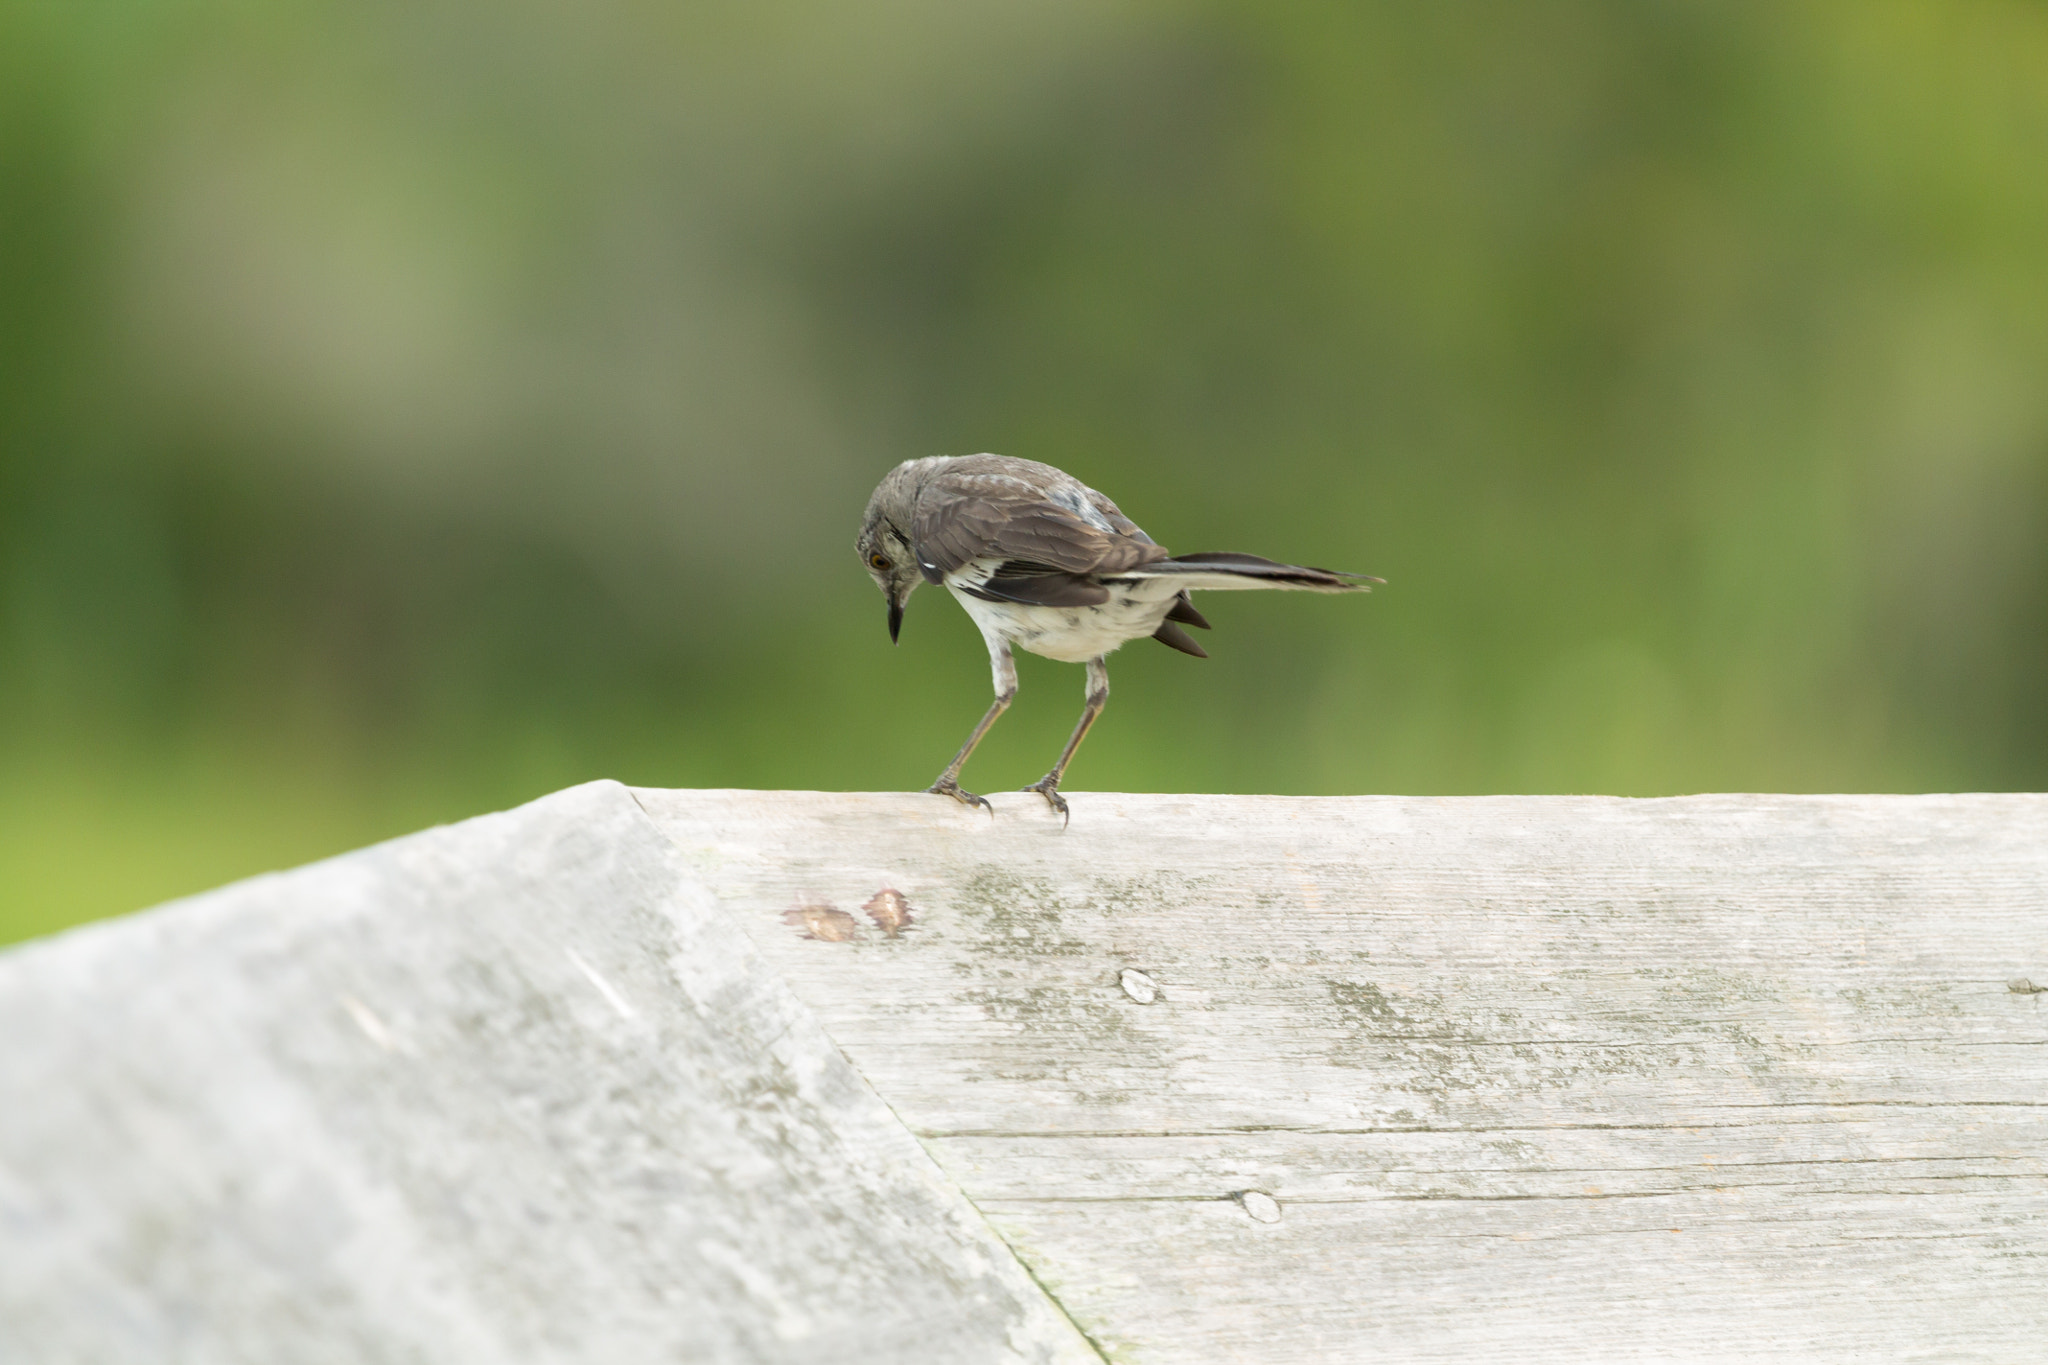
(407,409)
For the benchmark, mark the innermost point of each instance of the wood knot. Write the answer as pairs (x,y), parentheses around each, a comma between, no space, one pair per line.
(1137,985)
(1260,1206)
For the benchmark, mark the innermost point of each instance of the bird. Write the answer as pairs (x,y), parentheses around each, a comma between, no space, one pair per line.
(1042,562)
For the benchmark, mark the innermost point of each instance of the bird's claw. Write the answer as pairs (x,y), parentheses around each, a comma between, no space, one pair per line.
(1049,788)
(947,787)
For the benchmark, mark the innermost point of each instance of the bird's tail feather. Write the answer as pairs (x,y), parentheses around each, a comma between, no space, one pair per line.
(1226,571)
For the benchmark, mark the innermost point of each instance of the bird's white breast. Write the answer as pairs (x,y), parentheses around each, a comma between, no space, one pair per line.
(1135,609)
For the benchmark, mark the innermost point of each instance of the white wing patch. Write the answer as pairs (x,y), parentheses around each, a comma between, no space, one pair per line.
(1077,502)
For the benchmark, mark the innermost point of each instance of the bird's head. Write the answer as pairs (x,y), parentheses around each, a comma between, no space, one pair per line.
(884,547)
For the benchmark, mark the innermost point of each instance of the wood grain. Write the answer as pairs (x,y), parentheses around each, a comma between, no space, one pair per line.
(1728,1077)
(509,1091)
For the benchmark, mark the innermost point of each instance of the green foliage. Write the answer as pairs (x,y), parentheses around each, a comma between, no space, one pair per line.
(407,410)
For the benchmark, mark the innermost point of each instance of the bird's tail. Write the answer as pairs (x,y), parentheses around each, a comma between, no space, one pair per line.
(1210,572)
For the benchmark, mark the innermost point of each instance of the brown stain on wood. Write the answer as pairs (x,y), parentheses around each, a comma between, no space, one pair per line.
(819,920)
(890,910)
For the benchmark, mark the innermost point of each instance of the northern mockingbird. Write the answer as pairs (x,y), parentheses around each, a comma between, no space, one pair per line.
(1043,562)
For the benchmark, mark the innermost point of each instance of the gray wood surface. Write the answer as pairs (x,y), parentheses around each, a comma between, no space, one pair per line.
(1714,1078)
(509,1091)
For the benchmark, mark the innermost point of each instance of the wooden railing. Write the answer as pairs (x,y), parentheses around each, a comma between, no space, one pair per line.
(653,1075)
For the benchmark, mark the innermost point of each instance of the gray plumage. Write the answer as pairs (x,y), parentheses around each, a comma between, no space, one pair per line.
(1045,563)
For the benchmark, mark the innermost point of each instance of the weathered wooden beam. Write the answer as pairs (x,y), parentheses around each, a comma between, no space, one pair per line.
(1238,1078)
(510,1091)
(1729,1077)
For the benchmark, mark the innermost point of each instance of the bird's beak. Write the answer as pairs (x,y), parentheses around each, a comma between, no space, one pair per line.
(895,619)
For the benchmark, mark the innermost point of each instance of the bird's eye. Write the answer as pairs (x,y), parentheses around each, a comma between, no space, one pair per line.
(879,561)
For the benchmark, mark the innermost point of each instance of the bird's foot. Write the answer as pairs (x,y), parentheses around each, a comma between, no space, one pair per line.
(1049,788)
(946,786)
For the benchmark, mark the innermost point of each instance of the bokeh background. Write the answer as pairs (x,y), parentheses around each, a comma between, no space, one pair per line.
(407,409)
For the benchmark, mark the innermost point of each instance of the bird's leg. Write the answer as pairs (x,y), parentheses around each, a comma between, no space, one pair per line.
(1005,670)
(1098,697)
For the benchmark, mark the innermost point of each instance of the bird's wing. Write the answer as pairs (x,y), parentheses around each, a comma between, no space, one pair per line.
(1016,580)
(963,516)
(1122,524)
